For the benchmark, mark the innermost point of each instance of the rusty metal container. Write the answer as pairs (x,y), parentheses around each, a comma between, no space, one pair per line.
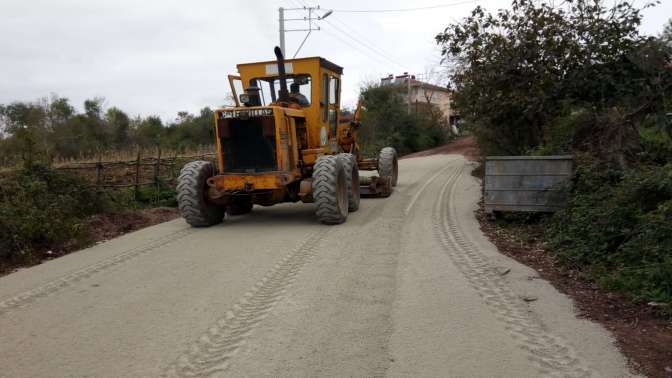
(526,183)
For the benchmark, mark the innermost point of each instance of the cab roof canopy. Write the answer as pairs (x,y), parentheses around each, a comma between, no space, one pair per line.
(323,63)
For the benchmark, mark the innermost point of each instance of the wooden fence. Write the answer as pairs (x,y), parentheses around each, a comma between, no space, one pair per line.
(142,171)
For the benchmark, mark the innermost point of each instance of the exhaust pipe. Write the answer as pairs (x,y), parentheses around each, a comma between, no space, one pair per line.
(283,94)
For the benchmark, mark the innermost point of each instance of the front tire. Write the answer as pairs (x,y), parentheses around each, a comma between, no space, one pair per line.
(388,166)
(191,189)
(330,190)
(352,180)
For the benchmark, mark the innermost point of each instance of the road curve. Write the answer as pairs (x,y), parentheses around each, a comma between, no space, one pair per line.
(407,287)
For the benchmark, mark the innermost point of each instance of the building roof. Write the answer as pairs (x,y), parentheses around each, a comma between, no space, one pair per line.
(403,80)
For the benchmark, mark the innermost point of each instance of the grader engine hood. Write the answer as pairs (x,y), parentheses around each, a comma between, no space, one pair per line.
(247,140)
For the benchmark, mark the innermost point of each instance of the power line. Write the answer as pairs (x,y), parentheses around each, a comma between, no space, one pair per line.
(361,41)
(362,52)
(368,42)
(366,50)
(378,53)
(363,44)
(403,9)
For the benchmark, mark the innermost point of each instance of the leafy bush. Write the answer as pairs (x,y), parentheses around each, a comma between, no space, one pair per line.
(656,146)
(618,228)
(161,195)
(41,207)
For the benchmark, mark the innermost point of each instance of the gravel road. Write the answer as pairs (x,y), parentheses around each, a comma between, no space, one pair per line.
(407,287)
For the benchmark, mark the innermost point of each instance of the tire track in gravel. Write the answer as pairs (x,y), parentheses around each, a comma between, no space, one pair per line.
(210,354)
(421,181)
(552,356)
(63,282)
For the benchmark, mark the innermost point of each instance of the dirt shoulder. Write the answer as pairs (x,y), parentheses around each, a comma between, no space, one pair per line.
(99,228)
(643,336)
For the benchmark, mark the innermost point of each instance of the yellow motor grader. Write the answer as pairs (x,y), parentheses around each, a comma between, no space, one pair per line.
(283,142)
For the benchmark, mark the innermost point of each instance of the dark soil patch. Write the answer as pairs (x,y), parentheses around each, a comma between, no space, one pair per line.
(99,228)
(642,335)
(108,226)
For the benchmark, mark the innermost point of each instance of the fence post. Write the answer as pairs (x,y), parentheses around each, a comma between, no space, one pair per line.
(157,170)
(99,171)
(172,167)
(137,177)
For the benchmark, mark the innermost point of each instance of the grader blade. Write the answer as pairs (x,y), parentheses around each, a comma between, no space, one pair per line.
(375,186)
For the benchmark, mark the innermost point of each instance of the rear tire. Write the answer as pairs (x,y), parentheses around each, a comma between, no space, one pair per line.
(388,166)
(352,180)
(330,190)
(191,188)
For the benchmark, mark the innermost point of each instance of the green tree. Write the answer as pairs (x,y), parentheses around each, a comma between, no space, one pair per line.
(189,130)
(25,123)
(148,131)
(386,122)
(519,72)
(120,124)
(666,36)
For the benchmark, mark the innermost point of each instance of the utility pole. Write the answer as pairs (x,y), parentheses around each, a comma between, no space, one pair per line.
(281,12)
(310,19)
(408,83)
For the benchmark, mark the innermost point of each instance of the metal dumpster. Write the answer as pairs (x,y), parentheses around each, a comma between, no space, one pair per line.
(526,183)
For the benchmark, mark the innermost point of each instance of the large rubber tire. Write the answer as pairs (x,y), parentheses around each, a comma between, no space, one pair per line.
(388,166)
(191,188)
(352,180)
(240,207)
(330,190)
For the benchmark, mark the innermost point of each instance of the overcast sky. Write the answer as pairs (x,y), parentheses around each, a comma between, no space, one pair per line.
(155,57)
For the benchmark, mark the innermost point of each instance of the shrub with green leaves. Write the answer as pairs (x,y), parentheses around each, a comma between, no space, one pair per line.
(40,207)
(618,228)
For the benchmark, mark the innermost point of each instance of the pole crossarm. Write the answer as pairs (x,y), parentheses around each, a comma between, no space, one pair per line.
(309,19)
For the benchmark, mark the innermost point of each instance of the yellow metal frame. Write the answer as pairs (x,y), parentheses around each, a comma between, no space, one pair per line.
(285,119)
(310,66)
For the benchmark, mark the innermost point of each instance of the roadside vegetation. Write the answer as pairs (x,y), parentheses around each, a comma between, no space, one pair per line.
(51,130)
(41,208)
(579,78)
(387,122)
(46,211)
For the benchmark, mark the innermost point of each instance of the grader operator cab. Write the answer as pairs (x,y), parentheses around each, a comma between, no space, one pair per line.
(283,142)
